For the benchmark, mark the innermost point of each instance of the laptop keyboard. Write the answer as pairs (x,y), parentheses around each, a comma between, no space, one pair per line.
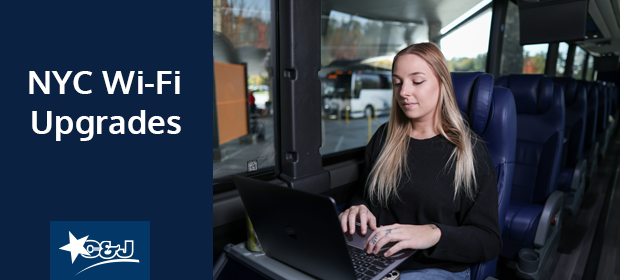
(367,266)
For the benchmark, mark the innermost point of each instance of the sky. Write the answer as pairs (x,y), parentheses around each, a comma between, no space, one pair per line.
(473,39)
(469,40)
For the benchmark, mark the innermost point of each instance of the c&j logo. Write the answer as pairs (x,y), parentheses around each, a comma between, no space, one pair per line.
(99,250)
(96,249)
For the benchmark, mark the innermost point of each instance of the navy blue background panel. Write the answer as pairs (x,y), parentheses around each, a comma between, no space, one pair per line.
(164,179)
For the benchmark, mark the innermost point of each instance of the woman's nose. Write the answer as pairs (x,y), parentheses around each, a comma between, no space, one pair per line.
(405,90)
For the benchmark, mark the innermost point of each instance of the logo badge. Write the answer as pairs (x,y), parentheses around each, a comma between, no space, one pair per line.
(99,250)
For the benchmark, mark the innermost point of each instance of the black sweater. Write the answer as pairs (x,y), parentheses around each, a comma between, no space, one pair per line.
(469,229)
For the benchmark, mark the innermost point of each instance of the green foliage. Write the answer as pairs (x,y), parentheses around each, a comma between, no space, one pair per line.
(257,80)
(534,64)
(477,63)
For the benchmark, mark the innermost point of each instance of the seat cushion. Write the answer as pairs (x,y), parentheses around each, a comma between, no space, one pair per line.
(520,227)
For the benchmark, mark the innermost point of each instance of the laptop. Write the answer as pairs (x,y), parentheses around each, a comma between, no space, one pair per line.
(302,230)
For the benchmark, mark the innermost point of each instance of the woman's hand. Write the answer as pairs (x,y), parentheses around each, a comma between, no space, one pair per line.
(357,212)
(406,236)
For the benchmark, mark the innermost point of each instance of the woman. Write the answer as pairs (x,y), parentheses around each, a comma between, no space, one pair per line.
(430,183)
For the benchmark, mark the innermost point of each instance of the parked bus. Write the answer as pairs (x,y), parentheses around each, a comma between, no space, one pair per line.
(359,93)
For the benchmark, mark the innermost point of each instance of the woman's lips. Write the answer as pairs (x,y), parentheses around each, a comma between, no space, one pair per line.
(410,105)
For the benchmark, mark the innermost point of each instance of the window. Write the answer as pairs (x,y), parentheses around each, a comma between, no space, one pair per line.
(360,40)
(580,56)
(534,58)
(470,56)
(561,62)
(518,59)
(243,122)
(590,70)
(356,58)
(386,81)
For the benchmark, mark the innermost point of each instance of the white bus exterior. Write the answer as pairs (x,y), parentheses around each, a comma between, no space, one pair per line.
(360,93)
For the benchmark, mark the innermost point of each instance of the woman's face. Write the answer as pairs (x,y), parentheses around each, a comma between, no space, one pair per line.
(416,87)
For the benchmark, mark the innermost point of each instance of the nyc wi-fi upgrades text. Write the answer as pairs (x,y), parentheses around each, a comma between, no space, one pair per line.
(116,124)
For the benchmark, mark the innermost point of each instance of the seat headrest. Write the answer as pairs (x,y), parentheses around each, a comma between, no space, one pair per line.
(592,88)
(601,86)
(570,89)
(474,95)
(585,84)
(533,92)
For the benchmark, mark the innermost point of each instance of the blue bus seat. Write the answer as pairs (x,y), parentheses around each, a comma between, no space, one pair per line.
(492,114)
(602,119)
(590,145)
(534,217)
(572,180)
(613,91)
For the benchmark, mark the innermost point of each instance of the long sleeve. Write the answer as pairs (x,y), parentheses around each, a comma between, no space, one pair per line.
(478,237)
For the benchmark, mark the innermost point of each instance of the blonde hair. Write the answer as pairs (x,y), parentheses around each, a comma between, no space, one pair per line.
(387,171)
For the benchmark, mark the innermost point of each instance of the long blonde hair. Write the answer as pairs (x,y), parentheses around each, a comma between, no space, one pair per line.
(392,161)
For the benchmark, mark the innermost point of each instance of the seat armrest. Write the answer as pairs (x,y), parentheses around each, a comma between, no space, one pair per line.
(550,219)
(580,169)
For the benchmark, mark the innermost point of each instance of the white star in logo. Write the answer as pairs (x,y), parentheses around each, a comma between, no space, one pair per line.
(75,246)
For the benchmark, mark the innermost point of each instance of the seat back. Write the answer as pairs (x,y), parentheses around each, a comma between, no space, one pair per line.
(492,114)
(591,114)
(540,135)
(575,101)
(602,107)
(614,98)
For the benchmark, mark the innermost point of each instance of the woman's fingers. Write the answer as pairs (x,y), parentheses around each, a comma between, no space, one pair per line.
(344,219)
(355,213)
(352,217)
(374,240)
(395,249)
(363,220)
(388,236)
(369,242)
(372,221)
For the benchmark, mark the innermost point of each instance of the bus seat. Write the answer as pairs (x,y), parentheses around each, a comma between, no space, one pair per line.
(613,96)
(534,217)
(492,114)
(602,118)
(572,180)
(590,146)
(614,106)
(610,120)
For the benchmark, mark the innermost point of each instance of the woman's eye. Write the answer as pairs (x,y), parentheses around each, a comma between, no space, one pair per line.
(397,84)
(418,83)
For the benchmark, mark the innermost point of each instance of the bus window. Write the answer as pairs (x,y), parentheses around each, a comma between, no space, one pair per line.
(361,41)
(366,81)
(535,58)
(386,81)
(516,59)
(590,70)
(471,56)
(580,56)
(336,86)
(356,59)
(243,122)
(561,62)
